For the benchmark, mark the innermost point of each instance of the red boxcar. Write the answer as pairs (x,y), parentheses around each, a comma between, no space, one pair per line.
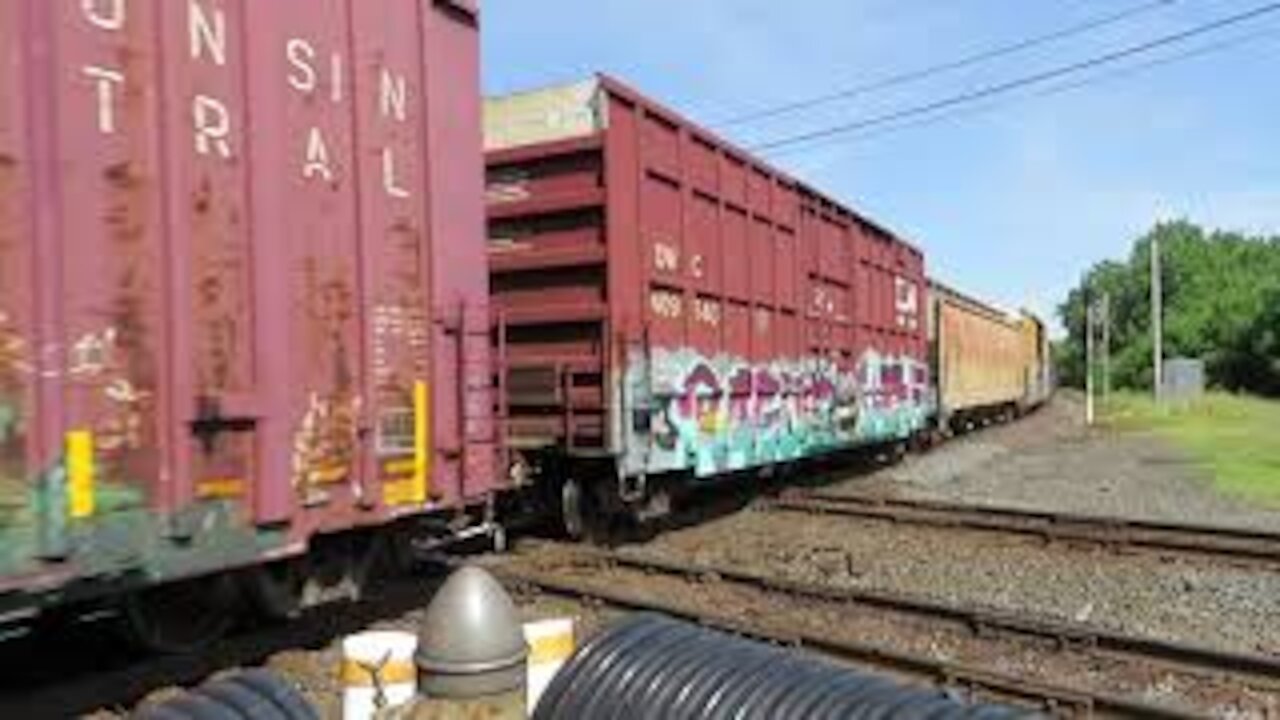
(673,305)
(243,295)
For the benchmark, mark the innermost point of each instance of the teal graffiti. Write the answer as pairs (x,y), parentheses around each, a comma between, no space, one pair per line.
(722,414)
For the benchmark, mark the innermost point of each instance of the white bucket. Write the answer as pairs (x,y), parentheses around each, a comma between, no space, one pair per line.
(551,644)
(373,664)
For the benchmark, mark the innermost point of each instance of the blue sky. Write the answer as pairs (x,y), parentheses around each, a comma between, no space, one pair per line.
(1012,203)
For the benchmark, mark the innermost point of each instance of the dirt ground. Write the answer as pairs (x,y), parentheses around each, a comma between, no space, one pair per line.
(1051,460)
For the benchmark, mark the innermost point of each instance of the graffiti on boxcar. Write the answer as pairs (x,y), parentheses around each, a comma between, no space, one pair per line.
(119,403)
(326,438)
(400,340)
(906,296)
(324,448)
(15,362)
(722,414)
(14,369)
(400,343)
(91,354)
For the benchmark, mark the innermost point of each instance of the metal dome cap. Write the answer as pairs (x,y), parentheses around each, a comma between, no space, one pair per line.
(471,642)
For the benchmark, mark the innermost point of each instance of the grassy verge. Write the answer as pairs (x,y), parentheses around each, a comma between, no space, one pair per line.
(1236,438)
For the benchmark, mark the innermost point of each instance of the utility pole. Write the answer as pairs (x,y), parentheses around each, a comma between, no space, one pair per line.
(1088,361)
(1106,348)
(1157,318)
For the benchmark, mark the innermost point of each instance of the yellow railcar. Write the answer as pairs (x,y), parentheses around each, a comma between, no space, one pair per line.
(987,363)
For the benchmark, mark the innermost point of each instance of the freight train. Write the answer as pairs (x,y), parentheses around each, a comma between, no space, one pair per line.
(255,340)
(675,310)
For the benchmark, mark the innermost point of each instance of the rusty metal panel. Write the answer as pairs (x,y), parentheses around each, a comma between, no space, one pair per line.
(763,262)
(106,255)
(465,433)
(832,248)
(760,191)
(733,180)
(660,205)
(786,205)
(764,344)
(17,321)
(737,330)
(305,169)
(702,240)
(705,330)
(737,255)
(395,247)
(242,286)
(786,274)
(703,165)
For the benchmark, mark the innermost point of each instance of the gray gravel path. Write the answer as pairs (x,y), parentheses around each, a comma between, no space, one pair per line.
(1191,601)
(1050,460)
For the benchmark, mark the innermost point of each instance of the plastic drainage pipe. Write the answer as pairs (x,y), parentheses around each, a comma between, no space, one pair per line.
(650,666)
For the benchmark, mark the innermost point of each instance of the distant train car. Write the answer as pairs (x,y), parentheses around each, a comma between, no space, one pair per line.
(988,364)
(243,298)
(676,309)
(1038,350)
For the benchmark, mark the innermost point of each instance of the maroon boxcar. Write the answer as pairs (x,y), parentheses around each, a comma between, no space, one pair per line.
(243,295)
(673,307)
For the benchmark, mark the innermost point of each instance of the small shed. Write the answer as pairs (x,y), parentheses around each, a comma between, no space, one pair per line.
(1183,379)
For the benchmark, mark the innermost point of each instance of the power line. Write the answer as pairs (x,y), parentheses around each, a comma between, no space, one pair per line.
(1115,74)
(1025,81)
(913,76)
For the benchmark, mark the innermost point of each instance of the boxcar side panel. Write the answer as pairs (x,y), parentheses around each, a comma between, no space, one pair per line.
(217,231)
(735,296)
(19,447)
(889,335)
(462,399)
(747,352)
(981,363)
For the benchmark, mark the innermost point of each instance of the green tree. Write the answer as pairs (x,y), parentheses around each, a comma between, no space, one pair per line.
(1221,291)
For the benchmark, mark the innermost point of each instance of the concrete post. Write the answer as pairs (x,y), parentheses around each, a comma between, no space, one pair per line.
(471,654)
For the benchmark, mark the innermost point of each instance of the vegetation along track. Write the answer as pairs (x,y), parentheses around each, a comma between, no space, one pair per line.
(1070,670)
(1230,545)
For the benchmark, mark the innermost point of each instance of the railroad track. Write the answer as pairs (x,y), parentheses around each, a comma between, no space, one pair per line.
(1237,546)
(599,575)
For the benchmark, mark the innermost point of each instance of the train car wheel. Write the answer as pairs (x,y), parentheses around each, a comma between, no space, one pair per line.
(276,589)
(573,520)
(182,617)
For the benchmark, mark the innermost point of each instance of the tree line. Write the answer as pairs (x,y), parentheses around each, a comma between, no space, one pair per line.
(1221,305)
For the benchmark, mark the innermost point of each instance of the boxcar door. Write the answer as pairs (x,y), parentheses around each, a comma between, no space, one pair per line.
(307,239)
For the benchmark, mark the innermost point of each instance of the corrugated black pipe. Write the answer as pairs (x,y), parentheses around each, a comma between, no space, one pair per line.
(650,666)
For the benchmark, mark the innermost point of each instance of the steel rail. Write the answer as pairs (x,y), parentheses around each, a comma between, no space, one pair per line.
(1086,703)
(1062,633)
(1236,544)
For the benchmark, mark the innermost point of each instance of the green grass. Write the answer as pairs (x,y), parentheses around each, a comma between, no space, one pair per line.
(1236,438)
